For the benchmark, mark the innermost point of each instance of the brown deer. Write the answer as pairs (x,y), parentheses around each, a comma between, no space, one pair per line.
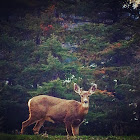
(46,108)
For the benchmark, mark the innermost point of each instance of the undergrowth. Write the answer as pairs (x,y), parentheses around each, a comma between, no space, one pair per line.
(59,137)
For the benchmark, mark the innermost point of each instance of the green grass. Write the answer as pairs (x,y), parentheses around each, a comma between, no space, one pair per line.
(39,137)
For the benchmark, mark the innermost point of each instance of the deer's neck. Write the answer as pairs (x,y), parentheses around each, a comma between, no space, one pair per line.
(84,109)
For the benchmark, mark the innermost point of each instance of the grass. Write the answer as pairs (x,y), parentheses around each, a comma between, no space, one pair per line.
(39,137)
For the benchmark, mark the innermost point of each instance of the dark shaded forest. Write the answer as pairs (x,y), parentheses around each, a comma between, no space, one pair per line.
(46,46)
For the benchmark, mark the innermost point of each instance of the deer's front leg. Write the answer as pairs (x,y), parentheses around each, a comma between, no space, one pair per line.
(75,130)
(68,128)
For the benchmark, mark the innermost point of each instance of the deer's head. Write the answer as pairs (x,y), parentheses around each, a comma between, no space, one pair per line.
(85,94)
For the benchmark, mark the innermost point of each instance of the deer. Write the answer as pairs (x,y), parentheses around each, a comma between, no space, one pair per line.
(70,112)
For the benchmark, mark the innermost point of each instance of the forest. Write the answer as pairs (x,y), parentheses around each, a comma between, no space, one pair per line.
(47,46)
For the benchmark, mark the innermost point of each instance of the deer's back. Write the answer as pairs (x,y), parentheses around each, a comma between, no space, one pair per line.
(41,101)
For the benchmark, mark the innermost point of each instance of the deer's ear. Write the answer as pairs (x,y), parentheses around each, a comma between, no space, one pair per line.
(92,89)
(77,89)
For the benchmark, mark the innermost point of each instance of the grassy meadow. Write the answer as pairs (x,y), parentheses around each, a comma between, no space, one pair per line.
(59,137)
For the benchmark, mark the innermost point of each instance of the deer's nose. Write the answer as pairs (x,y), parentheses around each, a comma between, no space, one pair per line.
(85,102)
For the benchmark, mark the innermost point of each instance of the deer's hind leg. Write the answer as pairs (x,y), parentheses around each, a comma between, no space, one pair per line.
(27,123)
(38,125)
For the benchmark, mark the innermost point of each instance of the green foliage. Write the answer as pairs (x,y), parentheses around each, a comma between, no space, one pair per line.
(59,137)
(53,88)
(53,63)
(124,90)
(34,61)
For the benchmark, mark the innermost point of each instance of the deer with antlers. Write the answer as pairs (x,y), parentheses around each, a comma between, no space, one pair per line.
(47,108)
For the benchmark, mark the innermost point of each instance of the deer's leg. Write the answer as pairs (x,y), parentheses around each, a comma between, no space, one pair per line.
(68,128)
(75,130)
(26,123)
(37,126)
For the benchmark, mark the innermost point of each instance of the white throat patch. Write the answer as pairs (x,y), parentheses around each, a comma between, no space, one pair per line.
(85,105)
